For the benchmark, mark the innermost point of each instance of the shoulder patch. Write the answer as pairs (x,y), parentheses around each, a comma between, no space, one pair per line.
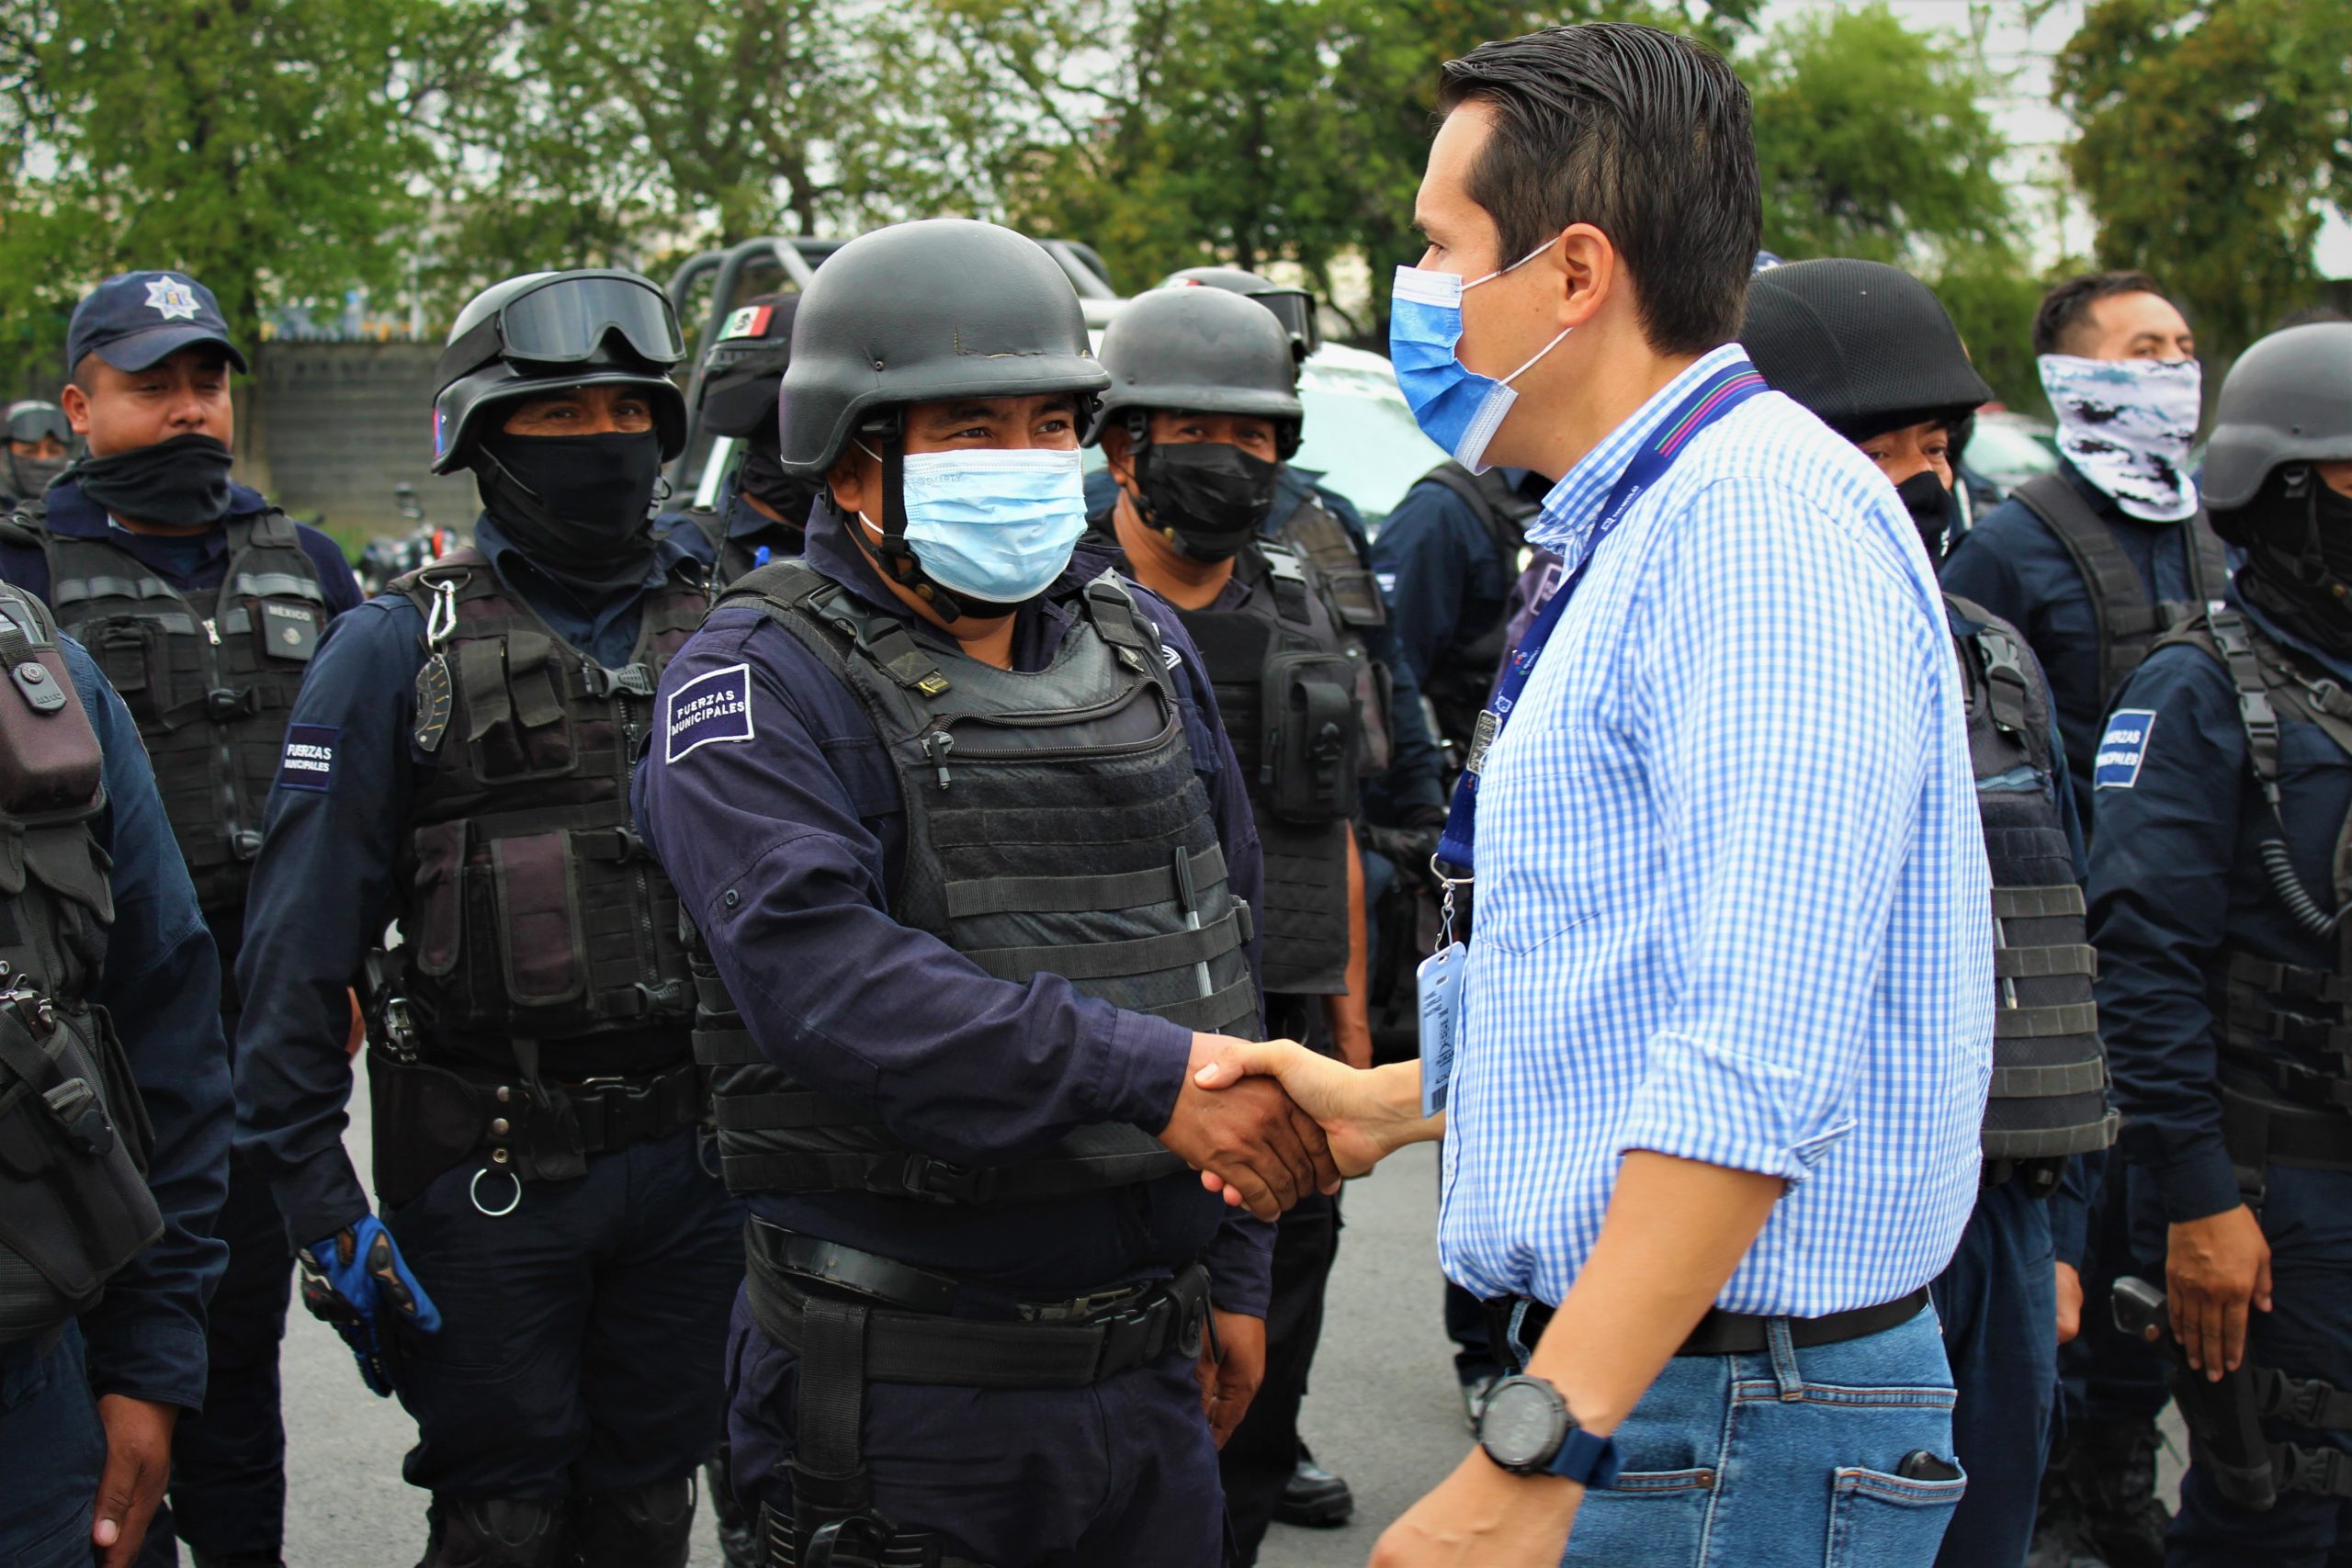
(2123,749)
(708,709)
(309,759)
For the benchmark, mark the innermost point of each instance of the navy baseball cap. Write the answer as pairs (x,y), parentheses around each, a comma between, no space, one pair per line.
(134,319)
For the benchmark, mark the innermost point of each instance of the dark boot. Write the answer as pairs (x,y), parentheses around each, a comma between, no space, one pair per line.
(1314,1496)
(638,1526)
(739,1532)
(2098,1498)
(498,1532)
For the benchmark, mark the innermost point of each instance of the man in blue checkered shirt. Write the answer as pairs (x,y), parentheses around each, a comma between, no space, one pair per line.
(1726,1028)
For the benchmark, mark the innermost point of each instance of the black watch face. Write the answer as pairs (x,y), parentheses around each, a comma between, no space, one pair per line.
(1523,1422)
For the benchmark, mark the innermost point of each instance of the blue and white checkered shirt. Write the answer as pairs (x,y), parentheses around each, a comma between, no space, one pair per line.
(1732,897)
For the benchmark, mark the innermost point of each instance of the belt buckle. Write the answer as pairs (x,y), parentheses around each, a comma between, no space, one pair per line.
(936,1181)
(1125,1338)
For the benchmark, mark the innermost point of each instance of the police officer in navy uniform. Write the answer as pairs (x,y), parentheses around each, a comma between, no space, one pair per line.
(39,441)
(204,604)
(115,1115)
(951,809)
(2217,875)
(761,511)
(1871,350)
(1203,407)
(545,1286)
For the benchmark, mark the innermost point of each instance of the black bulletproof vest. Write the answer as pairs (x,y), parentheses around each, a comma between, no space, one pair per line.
(2049,1091)
(1054,825)
(530,907)
(2127,623)
(1458,690)
(1286,690)
(2269,1004)
(73,1136)
(209,685)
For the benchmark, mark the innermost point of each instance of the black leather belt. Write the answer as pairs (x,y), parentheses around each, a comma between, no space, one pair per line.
(1726,1333)
(920,1347)
(813,1261)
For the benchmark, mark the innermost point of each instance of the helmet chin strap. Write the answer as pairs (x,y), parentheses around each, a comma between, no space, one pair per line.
(892,555)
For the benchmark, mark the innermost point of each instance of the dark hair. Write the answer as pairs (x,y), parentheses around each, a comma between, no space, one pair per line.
(1640,133)
(2066,309)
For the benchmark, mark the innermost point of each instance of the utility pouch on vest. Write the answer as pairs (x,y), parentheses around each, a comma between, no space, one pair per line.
(514,706)
(423,1121)
(1313,746)
(74,1138)
(49,755)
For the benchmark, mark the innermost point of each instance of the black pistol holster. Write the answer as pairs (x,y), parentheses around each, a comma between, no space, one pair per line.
(2225,1419)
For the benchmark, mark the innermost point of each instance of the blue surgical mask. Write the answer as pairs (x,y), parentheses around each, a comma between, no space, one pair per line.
(994,524)
(1455,407)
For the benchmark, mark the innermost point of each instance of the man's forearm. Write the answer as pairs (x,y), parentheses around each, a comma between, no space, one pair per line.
(1348,1015)
(1674,1233)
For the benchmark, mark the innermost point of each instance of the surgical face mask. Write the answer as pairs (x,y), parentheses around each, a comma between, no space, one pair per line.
(1928,501)
(1214,498)
(2128,425)
(26,477)
(579,506)
(996,526)
(179,483)
(1455,407)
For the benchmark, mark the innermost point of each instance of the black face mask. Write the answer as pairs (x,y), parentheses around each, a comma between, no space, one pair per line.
(2298,546)
(2331,515)
(1213,497)
(179,483)
(1928,501)
(762,478)
(579,506)
(28,477)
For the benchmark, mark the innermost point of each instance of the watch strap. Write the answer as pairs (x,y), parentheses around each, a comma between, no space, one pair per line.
(1587,1458)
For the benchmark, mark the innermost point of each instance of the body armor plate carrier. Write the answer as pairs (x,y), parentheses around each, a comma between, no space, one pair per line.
(1287,691)
(530,907)
(1458,691)
(1054,825)
(209,685)
(74,1137)
(2048,1097)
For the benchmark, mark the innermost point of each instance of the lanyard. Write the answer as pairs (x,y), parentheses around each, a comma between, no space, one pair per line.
(1704,404)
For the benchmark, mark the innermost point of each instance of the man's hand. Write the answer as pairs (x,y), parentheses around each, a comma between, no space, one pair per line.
(2070,1303)
(1366,1114)
(2213,1268)
(1232,1365)
(1263,1151)
(139,1462)
(1484,1516)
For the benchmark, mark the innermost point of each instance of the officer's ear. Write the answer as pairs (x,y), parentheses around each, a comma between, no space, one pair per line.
(853,478)
(1118,454)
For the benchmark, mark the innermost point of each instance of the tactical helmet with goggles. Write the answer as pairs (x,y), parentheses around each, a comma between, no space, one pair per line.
(1294,308)
(1203,351)
(2286,407)
(548,331)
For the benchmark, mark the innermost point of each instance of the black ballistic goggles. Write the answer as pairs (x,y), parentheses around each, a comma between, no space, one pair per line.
(566,321)
(34,422)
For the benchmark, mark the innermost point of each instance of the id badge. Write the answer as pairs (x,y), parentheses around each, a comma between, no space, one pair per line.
(1440,990)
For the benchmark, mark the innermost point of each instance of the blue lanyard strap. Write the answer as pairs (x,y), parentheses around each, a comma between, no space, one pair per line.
(1704,404)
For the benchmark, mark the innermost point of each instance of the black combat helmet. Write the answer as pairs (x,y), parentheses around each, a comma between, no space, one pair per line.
(2285,405)
(1868,347)
(744,369)
(546,331)
(1202,350)
(1294,308)
(942,308)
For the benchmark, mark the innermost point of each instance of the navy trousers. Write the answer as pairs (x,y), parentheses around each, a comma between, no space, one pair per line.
(1998,1300)
(2107,1375)
(2307,1216)
(1261,1455)
(582,1334)
(51,1449)
(1122,1473)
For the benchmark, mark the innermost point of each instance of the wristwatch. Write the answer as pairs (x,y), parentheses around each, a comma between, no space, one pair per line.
(1528,1430)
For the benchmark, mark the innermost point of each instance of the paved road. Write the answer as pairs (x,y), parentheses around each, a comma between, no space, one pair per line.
(1383,1411)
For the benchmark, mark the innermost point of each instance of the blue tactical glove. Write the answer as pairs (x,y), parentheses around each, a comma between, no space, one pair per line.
(351,1277)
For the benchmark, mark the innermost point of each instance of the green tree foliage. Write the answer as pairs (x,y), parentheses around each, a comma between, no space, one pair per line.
(1871,142)
(263,145)
(2210,134)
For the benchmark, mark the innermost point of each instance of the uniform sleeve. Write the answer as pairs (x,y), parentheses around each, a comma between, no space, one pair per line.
(162,985)
(335,576)
(775,859)
(27,567)
(320,898)
(2159,907)
(1424,574)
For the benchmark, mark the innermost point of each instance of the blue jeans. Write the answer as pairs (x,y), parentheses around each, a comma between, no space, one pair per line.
(51,1449)
(1783,1459)
(1998,1301)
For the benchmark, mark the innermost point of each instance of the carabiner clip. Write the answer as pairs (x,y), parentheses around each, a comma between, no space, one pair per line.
(442,620)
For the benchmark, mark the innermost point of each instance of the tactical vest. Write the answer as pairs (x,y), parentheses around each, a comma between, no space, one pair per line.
(2269,1004)
(210,686)
(1286,690)
(2048,1097)
(1054,825)
(2127,624)
(73,1136)
(1459,691)
(531,909)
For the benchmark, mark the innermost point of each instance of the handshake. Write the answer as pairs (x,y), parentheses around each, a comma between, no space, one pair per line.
(1267,1124)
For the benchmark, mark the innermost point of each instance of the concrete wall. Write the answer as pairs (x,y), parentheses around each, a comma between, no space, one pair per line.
(340,423)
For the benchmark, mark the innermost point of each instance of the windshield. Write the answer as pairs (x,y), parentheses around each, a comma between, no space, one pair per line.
(1361,435)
